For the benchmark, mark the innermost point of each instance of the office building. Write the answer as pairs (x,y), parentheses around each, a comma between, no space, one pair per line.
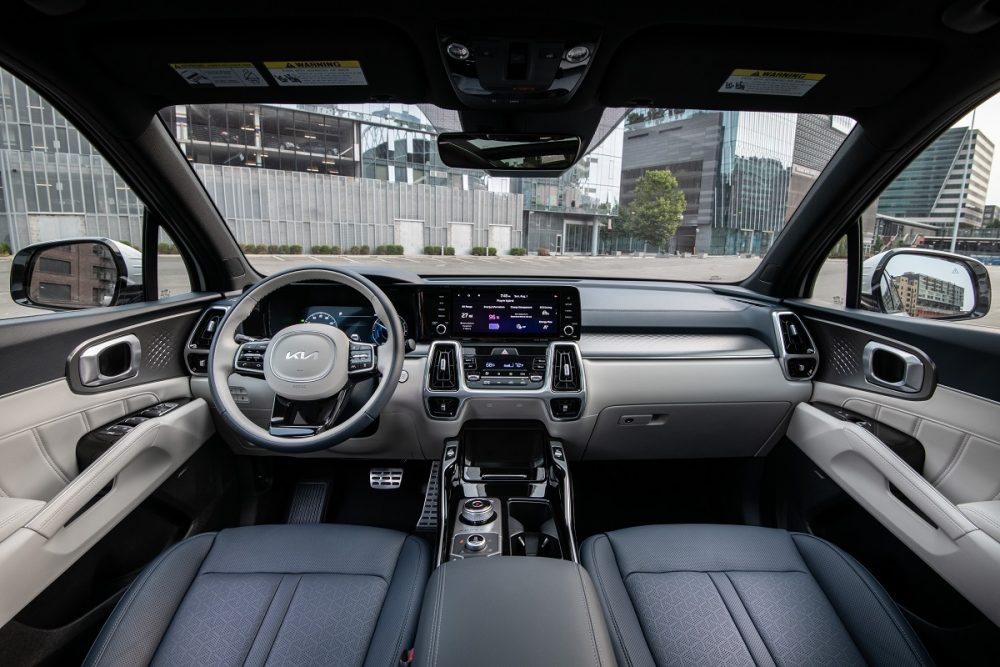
(742,173)
(953,171)
(925,296)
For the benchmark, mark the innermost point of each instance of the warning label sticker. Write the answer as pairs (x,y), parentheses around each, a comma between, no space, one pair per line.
(770,82)
(317,72)
(220,75)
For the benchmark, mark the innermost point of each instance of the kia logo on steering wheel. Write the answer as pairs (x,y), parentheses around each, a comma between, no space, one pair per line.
(300,355)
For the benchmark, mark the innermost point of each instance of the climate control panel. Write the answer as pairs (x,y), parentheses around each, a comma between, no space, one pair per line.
(504,367)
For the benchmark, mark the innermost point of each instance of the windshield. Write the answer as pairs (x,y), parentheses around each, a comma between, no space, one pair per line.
(663,194)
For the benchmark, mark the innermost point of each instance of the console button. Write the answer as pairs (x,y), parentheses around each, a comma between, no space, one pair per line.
(477,511)
(475,542)
(566,408)
(446,407)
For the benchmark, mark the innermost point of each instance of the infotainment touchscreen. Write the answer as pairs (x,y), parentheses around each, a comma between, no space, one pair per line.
(505,312)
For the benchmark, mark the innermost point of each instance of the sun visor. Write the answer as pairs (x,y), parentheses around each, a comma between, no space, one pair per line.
(216,62)
(761,70)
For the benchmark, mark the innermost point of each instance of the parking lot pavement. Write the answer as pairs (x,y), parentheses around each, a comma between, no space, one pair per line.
(829,285)
(711,269)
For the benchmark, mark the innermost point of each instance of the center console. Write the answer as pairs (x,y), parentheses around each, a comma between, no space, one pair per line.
(507,550)
(506,490)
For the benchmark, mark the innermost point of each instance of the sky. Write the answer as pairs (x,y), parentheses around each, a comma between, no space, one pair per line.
(988,121)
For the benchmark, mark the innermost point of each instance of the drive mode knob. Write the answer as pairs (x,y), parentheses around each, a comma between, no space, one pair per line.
(441,329)
(477,511)
(568,330)
(475,542)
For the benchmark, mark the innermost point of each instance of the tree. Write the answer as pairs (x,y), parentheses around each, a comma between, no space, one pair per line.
(655,213)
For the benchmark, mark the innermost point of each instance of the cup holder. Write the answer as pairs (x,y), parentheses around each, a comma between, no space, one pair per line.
(532,529)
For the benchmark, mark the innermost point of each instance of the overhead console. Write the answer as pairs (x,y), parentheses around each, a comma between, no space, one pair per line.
(488,72)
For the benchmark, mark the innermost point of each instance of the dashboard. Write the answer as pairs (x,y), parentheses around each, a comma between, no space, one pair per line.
(480,312)
(615,369)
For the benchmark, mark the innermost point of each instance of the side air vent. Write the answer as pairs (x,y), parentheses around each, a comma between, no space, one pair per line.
(444,368)
(565,369)
(200,340)
(799,359)
(204,331)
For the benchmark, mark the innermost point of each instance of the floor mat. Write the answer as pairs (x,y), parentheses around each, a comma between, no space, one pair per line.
(350,496)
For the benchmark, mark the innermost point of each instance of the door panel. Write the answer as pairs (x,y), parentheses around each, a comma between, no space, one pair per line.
(960,434)
(945,511)
(42,425)
(35,349)
(55,512)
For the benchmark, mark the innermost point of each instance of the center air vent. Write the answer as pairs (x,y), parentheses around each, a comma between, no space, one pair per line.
(565,369)
(444,368)
(799,359)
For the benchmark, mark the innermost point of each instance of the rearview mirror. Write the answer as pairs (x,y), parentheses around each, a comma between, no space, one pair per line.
(509,152)
(926,283)
(74,274)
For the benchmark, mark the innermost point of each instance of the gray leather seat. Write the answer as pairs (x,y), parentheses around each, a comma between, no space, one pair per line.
(741,595)
(288,595)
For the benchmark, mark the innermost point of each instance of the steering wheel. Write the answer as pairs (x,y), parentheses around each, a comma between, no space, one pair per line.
(326,386)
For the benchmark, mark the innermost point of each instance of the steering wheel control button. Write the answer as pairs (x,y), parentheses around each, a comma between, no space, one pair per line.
(362,357)
(250,357)
(475,542)
(477,511)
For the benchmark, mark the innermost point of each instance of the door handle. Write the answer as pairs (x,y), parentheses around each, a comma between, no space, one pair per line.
(892,368)
(111,361)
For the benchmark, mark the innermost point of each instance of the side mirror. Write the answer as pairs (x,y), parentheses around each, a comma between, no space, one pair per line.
(75,274)
(926,283)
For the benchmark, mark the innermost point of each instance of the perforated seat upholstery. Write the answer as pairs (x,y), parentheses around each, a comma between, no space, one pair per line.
(284,595)
(740,595)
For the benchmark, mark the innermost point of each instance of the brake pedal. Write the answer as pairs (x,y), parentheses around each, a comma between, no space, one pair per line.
(429,513)
(387,479)
(309,501)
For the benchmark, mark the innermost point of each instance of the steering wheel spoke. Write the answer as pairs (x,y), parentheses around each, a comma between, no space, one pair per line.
(291,418)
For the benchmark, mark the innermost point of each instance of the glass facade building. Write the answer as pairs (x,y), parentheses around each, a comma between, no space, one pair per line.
(953,171)
(742,173)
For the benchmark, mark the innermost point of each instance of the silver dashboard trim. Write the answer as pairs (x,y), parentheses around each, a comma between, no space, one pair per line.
(672,346)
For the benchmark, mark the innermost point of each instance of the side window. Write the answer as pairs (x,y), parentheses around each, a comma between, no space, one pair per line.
(171,273)
(56,188)
(830,287)
(944,201)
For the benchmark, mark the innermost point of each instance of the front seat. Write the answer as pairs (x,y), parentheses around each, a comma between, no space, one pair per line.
(290,595)
(742,595)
